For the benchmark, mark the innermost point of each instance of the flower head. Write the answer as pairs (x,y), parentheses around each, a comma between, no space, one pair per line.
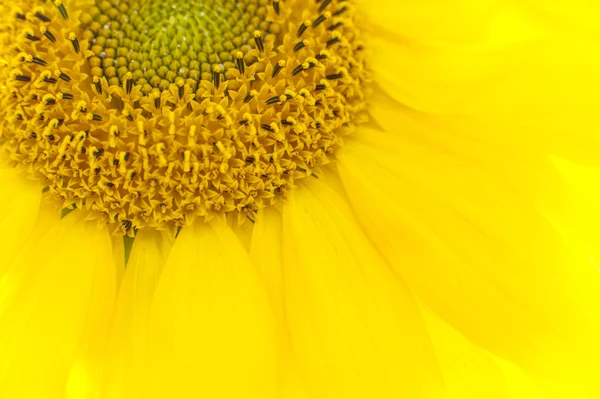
(295,199)
(151,114)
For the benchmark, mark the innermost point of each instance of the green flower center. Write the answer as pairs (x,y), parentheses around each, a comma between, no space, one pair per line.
(158,41)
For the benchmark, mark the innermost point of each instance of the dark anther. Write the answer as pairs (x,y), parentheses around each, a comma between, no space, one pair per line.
(276,6)
(248,98)
(239,62)
(64,77)
(63,11)
(288,96)
(50,101)
(278,67)
(63,157)
(34,97)
(50,80)
(321,56)
(334,76)
(320,87)
(116,162)
(318,125)
(132,175)
(129,118)
(243,122)
(303,28)
(39,61)
(50,36)
(267,128)
(32,37)
(126,225)
(60,122)
(83,150)
(96,117)
(299,46)
(318,21)
(97,84)
(323,5)
(41,117)
(126,157)
(41,17)
(20,16)
(110,185)
(333,41)
(272,100)
(181,91)
(157,102)
(99,152)
(129,85)
(50,137)
(23,78)
(259,41)
(96,171)
(318,102)
(297,70)
(250,159)
(75,43)
(335,26)
(287,123)
(33,135)
(338,12)
(216,77)
(67,96)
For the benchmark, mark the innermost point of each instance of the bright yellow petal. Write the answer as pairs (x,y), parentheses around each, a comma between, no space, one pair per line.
(523,70)
(130,326)
(465,140)
(469,373)
(56,303)
(266,252)
(480,254)
(356,329)
(212,332)
(20,199)
(434,55)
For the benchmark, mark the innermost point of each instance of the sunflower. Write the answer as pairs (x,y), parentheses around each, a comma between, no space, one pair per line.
(298,199)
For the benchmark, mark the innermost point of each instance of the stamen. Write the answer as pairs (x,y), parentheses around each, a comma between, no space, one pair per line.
(259,41)
(303,27)
(278,67)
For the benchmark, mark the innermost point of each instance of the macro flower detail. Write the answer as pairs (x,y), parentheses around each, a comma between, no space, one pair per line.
(156,113)
(299,199)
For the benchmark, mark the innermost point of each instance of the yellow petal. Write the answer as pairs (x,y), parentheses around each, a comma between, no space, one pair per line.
(56,303)
(435,55)
(525,71)
(469,373)
(355,328)
(466,140)
(460,22)
(480,254)
(266,252)
(212,331)
(20,199)
(130,325)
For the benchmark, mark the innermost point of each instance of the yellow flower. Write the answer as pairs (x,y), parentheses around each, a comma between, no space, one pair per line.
(298,199)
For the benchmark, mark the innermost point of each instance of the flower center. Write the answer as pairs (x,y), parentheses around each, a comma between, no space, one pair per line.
(153,113)
(158,41)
